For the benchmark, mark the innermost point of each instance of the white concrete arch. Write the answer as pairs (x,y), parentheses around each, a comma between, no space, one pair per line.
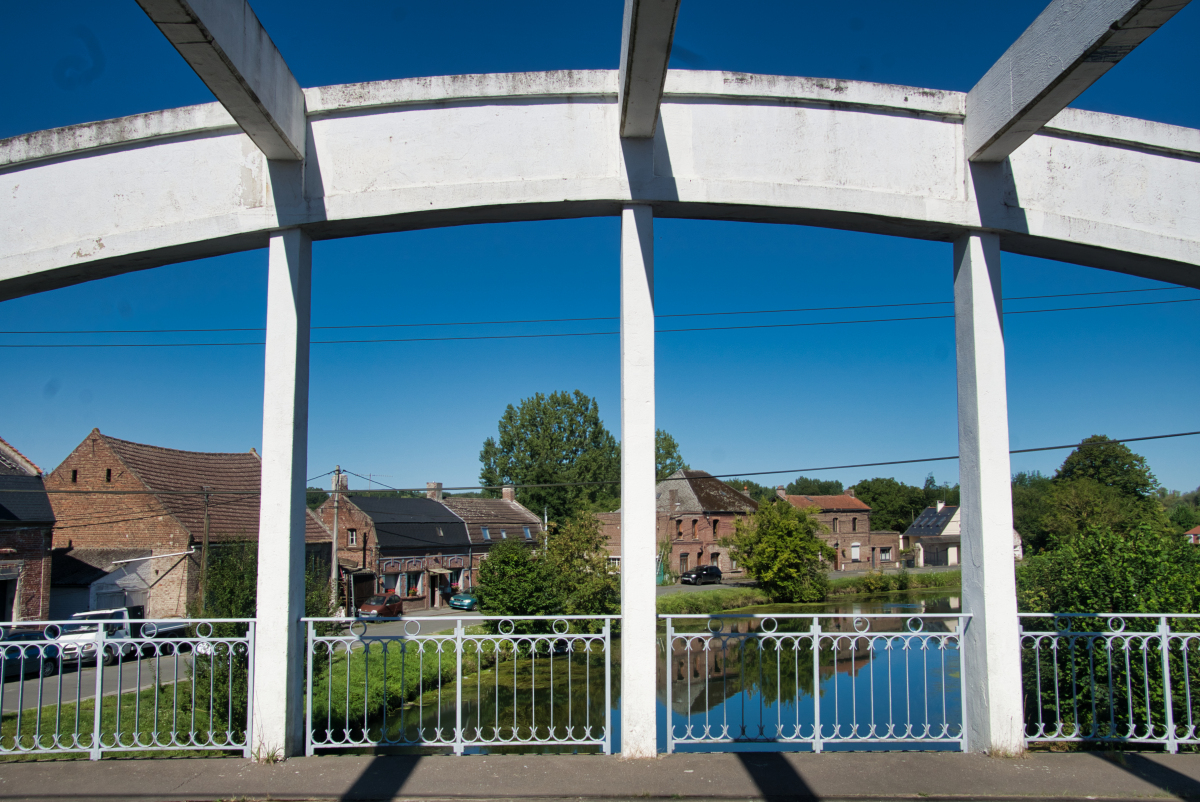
(99,199)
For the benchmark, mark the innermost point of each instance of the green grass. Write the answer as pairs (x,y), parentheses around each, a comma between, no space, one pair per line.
(887,583)
(709,601)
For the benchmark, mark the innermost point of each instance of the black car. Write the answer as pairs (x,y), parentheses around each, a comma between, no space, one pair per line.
(704,575)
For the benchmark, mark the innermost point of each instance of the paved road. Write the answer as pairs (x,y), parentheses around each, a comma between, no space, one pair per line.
(24,694)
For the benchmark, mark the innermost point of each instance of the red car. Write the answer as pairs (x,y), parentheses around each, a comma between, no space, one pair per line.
(388,606)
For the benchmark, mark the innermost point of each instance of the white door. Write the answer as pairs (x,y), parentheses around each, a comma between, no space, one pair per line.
(854,552)
(952,555)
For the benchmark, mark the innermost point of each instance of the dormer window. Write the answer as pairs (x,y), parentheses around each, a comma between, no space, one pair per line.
(503,535)
(528,536)
(439,531)
(486,535)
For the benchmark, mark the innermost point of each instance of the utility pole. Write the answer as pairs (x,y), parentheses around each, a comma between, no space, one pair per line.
(333,570)
(204,556)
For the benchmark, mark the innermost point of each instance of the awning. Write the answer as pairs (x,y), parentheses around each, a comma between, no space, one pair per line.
(439,571)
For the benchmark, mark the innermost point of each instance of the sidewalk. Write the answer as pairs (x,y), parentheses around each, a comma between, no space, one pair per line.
(870,775)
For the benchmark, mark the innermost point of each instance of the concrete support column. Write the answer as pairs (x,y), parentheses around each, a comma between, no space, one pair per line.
(277,727)
(638,618)
(991,653)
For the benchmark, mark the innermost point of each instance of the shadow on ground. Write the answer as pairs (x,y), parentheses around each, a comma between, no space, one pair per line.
(1145,768)
(383,777)
(775,776)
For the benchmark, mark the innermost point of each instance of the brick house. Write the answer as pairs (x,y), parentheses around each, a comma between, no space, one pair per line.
(26,523)
(145,547)
(847,520)
(694,511)
(1193,535)
(421,548)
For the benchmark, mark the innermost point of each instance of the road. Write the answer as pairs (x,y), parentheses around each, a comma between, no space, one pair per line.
(24,694)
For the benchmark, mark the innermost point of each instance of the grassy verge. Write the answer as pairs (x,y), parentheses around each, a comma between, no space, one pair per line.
(710,601)
(888,583)
(127,719)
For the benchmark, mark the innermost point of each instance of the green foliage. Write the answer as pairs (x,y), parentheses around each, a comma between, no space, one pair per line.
(1078,504)
(876,582)
(709,601)
(893,504)
(513,580)
(667,458)
(1184,517)
(778,546)
(1143,570)
(1030,491)
(807,486)
(1109,463)
(576,560)
(314,497)
(553,439)
(760,493)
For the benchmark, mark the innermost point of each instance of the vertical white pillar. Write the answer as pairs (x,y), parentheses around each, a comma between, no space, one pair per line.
(638,509)
(992,675)
(277,721)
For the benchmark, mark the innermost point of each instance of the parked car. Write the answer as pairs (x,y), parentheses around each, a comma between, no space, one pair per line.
(24,656)
(704,575)
(464,601)
(79,640)
(388,606)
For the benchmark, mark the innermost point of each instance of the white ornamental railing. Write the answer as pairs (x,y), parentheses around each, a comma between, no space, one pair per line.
(489,682)
(887,679)
(159,686)
(1113,678)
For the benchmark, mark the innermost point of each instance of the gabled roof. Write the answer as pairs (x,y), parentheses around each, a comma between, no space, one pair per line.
(839,503)
(230,517)
(1193,531)
(14,463)
(495,513)
(931,522)
(85,566)
(700,492)
(31,506)
(420,523)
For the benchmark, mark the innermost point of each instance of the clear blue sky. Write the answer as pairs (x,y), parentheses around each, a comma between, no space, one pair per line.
(736,401)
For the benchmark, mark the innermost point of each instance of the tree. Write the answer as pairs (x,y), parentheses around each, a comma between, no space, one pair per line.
(314,497)
(760,493)
(1184,517)
(893,504)
(778,546)
(807,486)
(1030,499)
(667,458)
(513,580)
(935,492)
(1109,463)
(550,440)
(1084,504)
(576,555)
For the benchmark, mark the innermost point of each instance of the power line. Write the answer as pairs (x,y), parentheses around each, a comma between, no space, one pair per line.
(617,481)
(585,319)
(590,333)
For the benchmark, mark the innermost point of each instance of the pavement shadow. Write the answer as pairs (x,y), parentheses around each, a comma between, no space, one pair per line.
(383,777)
(775,776)
(1163,777)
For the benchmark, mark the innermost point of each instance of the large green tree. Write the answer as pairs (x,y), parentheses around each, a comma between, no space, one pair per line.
(1109,463)
(577,557)
(667,458)
(554,439)
(808,486)
(516,580)
(893,504)
(779,546)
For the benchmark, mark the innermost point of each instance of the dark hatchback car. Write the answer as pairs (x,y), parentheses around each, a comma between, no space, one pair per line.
(704,575)
(22,655)
(388,606)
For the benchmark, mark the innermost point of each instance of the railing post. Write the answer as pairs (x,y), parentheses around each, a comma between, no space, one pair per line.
(458,661)
(961,629)
(669,651)
(608,686)
(248,752)
(310,633)
(816,648)
(1164,633)
(95,752)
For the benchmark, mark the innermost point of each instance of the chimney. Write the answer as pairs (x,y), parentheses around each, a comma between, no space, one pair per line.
(433,490)
(940,505)
(508,493)
(850,493)
(341,482)
(781,491)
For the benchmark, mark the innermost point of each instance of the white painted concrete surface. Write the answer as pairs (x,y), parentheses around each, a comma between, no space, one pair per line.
(639,656)
(223,41)
(278,720)
(399,155)
(1070,45)
(646,34)
(991,651)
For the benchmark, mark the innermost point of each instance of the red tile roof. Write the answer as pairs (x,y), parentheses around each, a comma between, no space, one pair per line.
(1193,531)
(829,503)
(496,514)
(7,445)
(230,517)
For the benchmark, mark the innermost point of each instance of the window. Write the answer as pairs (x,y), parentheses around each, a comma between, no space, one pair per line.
(352,537)
(439,531)
(74,476)
(732,564)
(528,536)
(615,563)
(486,535)
(716,558)
(835,524)
(695,535)
(678,528)
(716,524)
(108,474)
(683,563)
(854,552)
(885,554)
(853,524)
(503,535)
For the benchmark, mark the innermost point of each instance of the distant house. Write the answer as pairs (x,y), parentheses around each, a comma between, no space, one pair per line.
(936,537)
(1193,535)
(847,520)
(421,548)
(695,511)
(144,547)
(26,522)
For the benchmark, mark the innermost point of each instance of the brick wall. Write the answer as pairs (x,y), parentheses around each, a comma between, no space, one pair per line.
(31,548)
(349,517)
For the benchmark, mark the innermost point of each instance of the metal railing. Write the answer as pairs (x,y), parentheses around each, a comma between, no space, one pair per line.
(517,681)
(159,685)
(814,679)
(1118,678)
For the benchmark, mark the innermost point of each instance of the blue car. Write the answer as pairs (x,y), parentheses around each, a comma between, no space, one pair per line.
(23,655)
(464,601)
